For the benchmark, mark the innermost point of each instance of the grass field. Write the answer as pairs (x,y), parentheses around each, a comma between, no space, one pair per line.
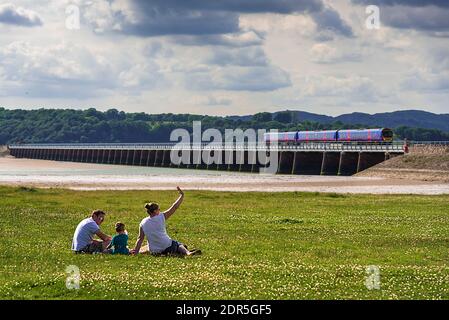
(256,246)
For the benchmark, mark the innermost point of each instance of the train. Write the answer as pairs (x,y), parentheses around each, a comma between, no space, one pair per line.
(349,135)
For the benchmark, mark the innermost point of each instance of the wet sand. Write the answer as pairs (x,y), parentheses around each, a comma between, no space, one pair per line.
(85,176)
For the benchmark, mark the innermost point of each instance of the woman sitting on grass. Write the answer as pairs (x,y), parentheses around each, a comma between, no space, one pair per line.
(153,227)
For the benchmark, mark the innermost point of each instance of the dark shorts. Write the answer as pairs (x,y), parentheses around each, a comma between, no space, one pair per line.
(173,249)
(94,247)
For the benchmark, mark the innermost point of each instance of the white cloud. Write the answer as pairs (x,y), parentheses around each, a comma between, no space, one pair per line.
(212,100)
(105,16)
(427,80)
(72,70)
(13,15)
(247,57)
(237,39)
(324,53)
(270,61)
(300,25)
(24,61)
(353,86)
(140,76)
(240,79)
(156,49)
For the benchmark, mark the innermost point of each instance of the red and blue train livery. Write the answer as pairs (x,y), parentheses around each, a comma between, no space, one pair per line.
(351,135)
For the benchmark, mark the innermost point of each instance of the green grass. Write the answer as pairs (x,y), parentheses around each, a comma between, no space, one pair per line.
(256,246)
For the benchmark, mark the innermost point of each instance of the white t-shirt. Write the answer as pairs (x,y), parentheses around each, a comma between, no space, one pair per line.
(156,233)
(84,233)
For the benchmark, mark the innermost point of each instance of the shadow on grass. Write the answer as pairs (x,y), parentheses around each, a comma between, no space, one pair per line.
(26,189)
(289,221)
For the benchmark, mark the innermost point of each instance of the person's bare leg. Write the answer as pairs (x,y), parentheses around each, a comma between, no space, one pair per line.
(144,249)
(183,251)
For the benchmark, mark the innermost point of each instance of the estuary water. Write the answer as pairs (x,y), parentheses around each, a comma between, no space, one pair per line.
(86,176)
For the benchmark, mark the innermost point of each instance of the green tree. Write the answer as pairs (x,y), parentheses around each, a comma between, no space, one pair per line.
(262,117)
(284,117)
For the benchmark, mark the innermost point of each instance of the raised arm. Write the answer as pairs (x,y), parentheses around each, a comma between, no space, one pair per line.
(139,242)
(175,205)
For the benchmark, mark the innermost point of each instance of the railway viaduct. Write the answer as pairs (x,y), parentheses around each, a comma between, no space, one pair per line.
(304,159)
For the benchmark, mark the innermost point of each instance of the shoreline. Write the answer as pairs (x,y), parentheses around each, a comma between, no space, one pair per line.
(87,177)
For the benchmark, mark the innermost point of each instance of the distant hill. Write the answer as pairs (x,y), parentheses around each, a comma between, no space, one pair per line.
(408,118)
(307,116)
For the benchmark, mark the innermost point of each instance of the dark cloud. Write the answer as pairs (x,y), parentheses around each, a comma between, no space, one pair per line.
(158,20)
(431,19)
(10,14)
(239,6)
(204,17)
(411,3)
(219,17)
(328,20)
(430,16)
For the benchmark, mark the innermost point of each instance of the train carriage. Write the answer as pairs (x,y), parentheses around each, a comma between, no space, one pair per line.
(352,135)
(306,136)
(281,137)
(366,135)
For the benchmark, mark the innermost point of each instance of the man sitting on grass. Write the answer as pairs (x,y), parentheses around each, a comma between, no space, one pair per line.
(83,239)
(153,227)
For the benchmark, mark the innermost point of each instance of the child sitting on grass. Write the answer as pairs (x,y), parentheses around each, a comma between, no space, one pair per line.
(119,243)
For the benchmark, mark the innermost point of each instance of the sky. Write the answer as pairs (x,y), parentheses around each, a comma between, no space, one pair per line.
(225,57)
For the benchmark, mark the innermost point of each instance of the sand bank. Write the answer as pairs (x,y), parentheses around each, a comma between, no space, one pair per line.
(429,163)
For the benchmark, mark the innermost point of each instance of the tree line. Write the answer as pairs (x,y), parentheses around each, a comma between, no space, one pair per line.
(113,126)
